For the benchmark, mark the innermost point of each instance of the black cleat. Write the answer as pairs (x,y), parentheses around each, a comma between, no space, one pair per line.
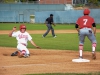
(14,54)
(93,56)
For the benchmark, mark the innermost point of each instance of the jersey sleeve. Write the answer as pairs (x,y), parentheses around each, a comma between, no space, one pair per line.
(29,37)
(78,21)
(14,34)
(93,20)
(47,19)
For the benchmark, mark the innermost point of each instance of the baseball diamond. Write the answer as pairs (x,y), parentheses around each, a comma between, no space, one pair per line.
(46,61)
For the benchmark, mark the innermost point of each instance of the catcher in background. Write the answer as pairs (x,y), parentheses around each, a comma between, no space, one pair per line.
(86,26)
(22,38)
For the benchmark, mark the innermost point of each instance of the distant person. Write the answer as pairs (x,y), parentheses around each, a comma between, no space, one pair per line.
(22,38)
(86,26)
(49,22)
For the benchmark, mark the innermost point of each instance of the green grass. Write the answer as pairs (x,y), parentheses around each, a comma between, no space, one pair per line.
(62,42)
(8,26)
(68,41)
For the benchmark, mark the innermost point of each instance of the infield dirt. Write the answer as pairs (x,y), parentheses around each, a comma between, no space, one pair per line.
(46,61)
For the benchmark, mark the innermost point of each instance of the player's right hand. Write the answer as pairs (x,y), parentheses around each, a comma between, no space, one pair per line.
(54,25)
(14,28)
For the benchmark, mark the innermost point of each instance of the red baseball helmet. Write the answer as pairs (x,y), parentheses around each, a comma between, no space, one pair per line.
(22,26)
(86,12)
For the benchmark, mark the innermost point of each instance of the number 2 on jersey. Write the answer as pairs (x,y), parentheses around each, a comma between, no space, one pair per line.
(85,21)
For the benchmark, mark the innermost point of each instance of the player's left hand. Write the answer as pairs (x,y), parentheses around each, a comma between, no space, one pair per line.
(78,34)
(54,24)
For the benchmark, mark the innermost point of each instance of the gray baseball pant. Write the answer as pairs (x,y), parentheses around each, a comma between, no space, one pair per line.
(48,30)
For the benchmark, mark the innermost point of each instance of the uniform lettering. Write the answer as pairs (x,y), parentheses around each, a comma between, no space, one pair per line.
(22,36)
(85,21)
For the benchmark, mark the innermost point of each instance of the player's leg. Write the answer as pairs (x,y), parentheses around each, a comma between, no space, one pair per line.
(81,43)
(15,53)
(52,30)
(93,51)
(23,51)
(92,38)
(27,54)
(48,25)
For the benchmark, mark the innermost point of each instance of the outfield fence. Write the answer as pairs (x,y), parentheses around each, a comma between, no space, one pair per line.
(36,7)
(69,16)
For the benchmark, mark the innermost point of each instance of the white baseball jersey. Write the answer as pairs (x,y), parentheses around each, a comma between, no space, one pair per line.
(22,37)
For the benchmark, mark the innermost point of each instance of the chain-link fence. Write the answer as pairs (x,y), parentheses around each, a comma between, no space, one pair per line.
(80,1)
(85,3)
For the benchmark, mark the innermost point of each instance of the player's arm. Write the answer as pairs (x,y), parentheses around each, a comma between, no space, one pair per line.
(14,29)
(32,42)
(46,21)
(52,22)
(94,28)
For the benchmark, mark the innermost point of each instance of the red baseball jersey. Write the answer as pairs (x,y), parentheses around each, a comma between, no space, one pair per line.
(85,21)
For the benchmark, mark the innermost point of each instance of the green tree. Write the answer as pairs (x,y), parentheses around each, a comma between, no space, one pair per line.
(32,0)
(27,0)
(93,1)
(23,0)
(99,0)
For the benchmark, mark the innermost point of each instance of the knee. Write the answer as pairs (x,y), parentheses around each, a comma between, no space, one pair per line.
(81,47)
(94,44)
(23,52)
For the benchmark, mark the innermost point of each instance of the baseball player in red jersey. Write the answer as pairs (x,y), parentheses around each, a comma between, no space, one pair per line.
(86,26)
(22,38)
